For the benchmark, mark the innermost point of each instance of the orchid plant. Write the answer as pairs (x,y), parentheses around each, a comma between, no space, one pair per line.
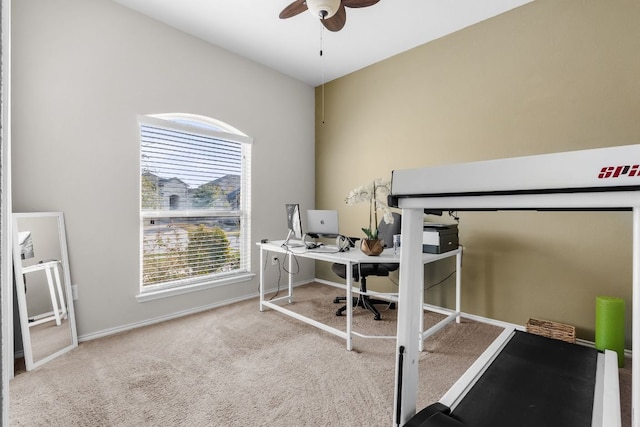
(375,194)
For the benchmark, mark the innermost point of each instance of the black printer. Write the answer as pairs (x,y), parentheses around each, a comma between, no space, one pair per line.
(439,238)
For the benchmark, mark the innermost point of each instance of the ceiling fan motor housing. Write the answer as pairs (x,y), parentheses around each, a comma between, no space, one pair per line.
(323,8)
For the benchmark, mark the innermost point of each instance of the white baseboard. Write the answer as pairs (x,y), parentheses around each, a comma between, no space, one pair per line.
(175,315)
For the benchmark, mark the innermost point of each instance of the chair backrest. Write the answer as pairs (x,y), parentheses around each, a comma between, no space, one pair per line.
(386,231)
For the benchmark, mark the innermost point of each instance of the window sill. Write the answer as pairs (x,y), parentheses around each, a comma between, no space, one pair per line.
(165,293)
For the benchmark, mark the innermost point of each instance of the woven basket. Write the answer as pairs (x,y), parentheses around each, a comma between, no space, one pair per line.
(549,329)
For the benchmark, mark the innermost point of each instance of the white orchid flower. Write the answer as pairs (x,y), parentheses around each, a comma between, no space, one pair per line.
(375,194)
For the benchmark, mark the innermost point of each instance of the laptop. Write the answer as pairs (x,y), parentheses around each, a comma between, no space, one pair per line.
(324,222)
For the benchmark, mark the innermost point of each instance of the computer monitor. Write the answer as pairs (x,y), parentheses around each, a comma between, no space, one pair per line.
(294,222)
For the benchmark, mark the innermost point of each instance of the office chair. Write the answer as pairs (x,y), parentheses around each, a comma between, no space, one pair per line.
(385,232)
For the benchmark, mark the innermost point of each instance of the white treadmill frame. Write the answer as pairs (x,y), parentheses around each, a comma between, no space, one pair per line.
(597,179)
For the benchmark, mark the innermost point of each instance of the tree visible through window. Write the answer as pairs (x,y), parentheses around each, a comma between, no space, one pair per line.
(194,201)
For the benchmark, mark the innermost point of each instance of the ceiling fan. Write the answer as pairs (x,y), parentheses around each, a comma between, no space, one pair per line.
(332,13)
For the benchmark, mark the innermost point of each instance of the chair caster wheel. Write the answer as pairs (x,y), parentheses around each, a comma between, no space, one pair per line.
(338,313)
(392,306)
(336,300)
(376,317)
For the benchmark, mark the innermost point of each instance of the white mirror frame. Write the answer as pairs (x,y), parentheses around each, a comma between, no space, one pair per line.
(20,289)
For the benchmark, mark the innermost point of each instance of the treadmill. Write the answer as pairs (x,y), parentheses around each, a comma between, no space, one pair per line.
(531,381)
(525,380)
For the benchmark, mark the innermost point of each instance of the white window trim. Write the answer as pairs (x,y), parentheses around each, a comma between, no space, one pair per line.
(234,135)
(155,294)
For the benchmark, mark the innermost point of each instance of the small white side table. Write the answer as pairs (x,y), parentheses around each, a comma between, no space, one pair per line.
(51,270)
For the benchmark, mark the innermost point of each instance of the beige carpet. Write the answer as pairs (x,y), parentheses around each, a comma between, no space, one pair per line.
(235,366)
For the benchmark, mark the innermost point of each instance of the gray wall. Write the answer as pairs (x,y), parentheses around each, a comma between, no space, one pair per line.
(82,72)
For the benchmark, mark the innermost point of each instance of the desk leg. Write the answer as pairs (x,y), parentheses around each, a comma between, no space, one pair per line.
(458,283)
(261,278)
(63,306)
(54,300)
(421,342)
(349,270)
(290,274)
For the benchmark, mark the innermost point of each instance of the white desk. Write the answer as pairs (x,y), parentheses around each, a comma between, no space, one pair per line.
(349,259)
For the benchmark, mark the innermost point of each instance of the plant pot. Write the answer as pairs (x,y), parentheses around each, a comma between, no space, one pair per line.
(371,247)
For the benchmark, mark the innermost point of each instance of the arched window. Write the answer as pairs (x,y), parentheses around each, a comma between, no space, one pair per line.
(194,202)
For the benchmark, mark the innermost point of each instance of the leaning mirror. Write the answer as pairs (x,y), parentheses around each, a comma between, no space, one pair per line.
(43,286)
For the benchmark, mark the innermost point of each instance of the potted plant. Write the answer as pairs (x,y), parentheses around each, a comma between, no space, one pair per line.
(375,194)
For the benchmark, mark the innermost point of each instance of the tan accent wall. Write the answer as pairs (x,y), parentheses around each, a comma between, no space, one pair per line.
(547,77)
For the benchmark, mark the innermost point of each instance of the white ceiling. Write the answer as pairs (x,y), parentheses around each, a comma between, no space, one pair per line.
(252,29)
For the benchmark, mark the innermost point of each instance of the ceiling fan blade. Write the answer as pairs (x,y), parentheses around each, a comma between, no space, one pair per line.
(295,8)
(359,3)
(337,21)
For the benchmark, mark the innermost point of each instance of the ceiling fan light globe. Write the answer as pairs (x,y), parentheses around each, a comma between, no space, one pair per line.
(323,9)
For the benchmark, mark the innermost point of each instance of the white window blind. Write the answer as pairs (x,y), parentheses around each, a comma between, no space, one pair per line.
(194,202)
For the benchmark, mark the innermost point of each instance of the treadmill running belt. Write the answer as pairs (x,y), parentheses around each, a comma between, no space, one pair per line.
(534,381)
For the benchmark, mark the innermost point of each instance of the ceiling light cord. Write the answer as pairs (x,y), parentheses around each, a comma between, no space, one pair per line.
(321,38)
